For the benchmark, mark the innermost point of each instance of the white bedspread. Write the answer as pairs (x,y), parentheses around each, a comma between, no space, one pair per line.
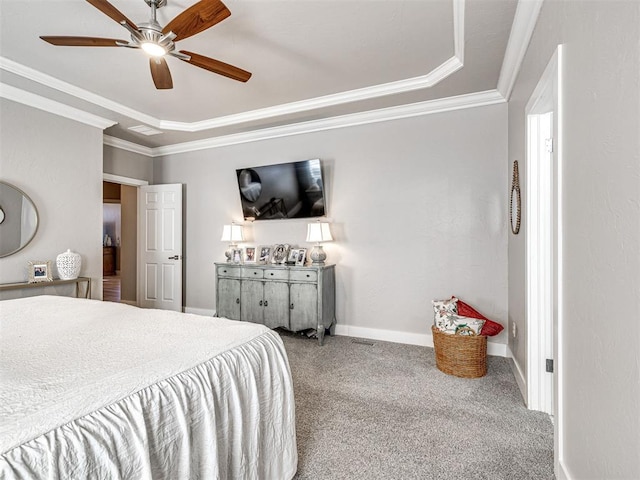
(93,389)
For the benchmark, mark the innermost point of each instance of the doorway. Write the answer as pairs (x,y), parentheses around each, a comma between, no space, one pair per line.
(119,238)
(111,242)
(544,247)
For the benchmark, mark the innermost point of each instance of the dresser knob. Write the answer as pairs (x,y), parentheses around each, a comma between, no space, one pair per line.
(291,306)
(260,303)
(237,300)
(266,303)
(308,275)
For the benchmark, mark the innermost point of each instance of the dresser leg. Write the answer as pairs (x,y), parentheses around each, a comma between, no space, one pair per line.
(332,328)
(320,333)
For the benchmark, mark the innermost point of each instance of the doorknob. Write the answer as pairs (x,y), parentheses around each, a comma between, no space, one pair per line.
(175,257)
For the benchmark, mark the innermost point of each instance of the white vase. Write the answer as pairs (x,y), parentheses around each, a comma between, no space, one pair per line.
(68,264)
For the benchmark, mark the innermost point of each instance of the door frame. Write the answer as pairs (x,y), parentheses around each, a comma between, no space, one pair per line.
(132,182)
(544,289)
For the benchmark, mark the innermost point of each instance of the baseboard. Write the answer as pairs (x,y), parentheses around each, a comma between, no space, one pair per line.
(422,339)
(205,312)
(129,302)
(562,472)
(518,374)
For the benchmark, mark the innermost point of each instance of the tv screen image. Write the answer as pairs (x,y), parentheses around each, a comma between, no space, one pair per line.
(285,190)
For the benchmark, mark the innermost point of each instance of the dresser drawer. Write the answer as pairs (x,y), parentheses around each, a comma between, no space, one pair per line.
(252,272)
(276,274)
(228,271)
(303,276)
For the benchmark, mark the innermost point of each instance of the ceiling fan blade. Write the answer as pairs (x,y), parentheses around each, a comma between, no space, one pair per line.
(196,18)
(216,66)
(111,11)
(82,41)
(160,73)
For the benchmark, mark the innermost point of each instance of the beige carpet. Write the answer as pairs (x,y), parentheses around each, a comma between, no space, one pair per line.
(384,411)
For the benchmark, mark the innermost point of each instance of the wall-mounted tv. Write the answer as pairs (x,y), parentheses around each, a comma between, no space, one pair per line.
(285,190)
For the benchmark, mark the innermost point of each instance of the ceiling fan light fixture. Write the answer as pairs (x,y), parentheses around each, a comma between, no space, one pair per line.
(154,49)
(158,42)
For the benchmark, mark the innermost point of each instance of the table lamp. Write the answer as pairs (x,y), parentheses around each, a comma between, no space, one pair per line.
(318,232)
(233,234)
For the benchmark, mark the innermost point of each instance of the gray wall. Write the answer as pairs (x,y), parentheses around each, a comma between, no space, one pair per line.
(601,184)
(58,163)
(418,211)
(127,164)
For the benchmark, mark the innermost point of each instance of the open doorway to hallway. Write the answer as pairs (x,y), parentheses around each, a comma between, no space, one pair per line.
(119,242)
(544,249)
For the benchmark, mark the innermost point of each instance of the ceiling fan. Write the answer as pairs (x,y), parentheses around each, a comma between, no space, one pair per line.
(159,42)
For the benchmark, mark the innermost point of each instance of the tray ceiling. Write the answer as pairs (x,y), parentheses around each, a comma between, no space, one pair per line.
(310,60)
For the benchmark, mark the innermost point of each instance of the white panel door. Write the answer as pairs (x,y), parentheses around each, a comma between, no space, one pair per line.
(160,246)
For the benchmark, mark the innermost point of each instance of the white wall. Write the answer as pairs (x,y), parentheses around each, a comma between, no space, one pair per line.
(418,210)
(601,210)
(58,163)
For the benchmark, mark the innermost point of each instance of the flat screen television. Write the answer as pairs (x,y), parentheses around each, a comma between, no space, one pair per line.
(284,190)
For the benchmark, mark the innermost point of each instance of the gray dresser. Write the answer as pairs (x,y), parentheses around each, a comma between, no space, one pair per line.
(295,298)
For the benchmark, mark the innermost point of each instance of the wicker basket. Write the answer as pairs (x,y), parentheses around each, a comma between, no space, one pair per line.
(460,355)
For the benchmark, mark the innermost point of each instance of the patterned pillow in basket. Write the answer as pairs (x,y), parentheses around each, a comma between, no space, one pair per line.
(460,325)
(442,309)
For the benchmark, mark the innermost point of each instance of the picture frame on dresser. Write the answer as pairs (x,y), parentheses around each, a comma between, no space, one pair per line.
(302,257)
(279,253)
(293,256)
(236,255)
(40,271)
(249,255)
(264,254)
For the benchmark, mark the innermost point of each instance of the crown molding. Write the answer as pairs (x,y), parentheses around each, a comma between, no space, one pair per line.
(36,101)
(128,146)
(471,100)
(424,81)
(458,30)
(524,23)
(441,72)
(77,92)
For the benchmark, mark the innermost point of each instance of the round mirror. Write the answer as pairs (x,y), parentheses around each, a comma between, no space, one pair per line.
(250,184)
(18,220)
(514,204)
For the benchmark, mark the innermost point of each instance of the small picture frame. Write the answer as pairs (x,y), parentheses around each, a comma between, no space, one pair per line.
(264,253)
(40,271)
(279,253)
(302,257)
(249,254)
(293,256)
(236,255)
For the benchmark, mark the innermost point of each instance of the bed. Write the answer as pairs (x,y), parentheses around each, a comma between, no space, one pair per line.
(101,390)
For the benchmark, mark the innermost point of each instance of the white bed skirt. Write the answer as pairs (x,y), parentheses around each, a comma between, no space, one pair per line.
(230,416)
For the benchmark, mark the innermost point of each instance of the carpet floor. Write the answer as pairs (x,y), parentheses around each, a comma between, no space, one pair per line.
(384,411)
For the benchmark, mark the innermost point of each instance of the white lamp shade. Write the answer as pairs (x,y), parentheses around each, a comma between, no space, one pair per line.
(318,232)
(232,233)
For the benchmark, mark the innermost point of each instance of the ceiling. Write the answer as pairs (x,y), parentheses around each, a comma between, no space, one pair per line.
(311,60)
